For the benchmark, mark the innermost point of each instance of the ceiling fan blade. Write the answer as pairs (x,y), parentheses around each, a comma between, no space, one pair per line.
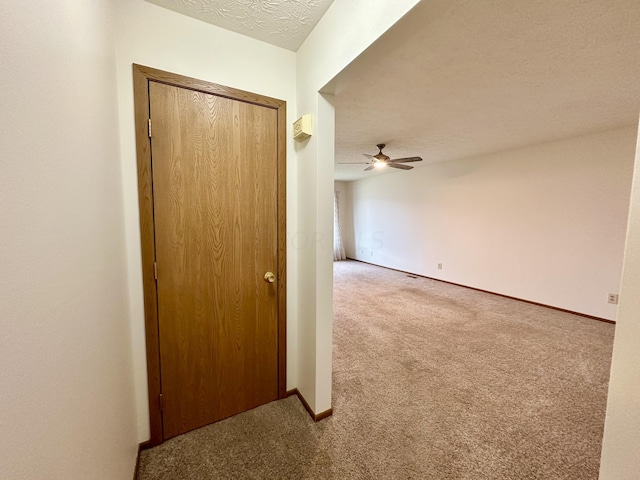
(405,160)
(399,165)
(369,168)
(369,156)
(354,163)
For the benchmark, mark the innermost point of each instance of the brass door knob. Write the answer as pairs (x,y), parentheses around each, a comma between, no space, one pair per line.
(269,277)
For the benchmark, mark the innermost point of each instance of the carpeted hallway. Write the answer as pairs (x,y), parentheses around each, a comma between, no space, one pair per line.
(431,381)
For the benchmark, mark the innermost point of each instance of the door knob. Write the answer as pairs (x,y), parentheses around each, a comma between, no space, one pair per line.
(269,277)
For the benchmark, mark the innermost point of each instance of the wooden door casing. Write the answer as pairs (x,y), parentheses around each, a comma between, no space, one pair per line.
(250,253)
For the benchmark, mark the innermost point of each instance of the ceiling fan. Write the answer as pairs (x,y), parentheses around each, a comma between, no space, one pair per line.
(380,160)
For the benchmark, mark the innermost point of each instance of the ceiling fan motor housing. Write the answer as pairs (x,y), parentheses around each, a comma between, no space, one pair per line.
(381,156)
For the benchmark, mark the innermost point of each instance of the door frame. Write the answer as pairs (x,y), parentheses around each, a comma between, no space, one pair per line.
(141,77)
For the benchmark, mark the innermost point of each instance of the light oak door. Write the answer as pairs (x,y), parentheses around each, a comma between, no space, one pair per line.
(214,172)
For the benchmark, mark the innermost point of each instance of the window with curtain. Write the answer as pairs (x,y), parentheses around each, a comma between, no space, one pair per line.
(338,247)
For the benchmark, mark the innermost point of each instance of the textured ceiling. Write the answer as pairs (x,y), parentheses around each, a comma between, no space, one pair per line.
(284,23)
(457,78)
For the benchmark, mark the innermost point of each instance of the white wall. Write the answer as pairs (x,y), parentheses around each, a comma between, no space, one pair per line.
(153,36)
(621,441)
(66,385)
(345,31)
(544,223)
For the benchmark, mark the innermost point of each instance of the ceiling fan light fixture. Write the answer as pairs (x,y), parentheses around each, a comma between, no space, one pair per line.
(380,160)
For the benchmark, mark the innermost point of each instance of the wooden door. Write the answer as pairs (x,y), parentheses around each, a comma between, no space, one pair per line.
(215,192)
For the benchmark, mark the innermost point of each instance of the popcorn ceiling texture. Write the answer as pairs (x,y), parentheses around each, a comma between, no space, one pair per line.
(284,23)
(457,78)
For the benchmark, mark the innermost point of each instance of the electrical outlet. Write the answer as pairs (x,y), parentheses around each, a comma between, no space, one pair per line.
(439,266)
(612,298)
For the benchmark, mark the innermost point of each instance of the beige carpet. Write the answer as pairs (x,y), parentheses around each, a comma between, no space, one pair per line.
(431,381)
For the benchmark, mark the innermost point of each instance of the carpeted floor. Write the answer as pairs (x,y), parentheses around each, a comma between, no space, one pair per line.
(431,381)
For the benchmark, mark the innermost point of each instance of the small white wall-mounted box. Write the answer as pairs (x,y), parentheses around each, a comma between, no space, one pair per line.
(302,128)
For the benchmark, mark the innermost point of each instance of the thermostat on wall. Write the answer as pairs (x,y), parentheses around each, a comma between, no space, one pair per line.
(302,128)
